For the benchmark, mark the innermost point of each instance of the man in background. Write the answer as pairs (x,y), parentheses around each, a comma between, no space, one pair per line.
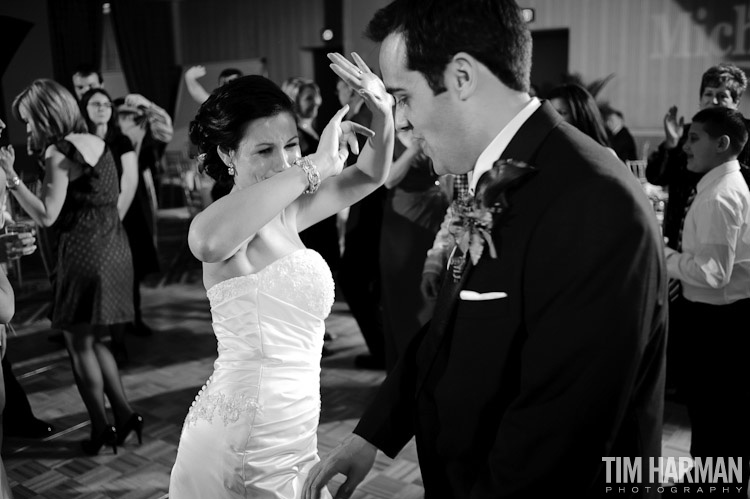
(85,78)
(196,90)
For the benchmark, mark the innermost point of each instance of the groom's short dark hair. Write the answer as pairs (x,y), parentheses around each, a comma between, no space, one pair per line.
(492,31)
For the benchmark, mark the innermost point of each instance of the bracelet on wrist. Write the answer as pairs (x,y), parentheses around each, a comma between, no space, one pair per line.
(313,176)
(13,182)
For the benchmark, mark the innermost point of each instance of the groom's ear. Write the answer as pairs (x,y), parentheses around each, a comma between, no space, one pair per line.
(461,75)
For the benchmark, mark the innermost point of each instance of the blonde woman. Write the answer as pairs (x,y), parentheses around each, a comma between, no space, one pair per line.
(94,270)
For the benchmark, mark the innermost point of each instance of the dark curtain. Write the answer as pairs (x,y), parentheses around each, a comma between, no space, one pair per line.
(75,36)
(145,42)
(12,33)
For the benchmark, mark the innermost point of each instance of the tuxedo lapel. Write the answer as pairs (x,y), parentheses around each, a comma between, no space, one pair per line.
(522,147)
(445,305)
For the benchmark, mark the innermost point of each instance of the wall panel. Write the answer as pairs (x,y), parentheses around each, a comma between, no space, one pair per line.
(658,50)
(32,60)
(278,30)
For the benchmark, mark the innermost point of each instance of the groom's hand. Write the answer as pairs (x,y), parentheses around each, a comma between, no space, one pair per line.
(353,458)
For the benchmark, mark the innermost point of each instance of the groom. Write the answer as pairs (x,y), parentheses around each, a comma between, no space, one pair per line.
(548,358)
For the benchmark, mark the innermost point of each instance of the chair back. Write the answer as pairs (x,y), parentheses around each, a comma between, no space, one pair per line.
(638,167)
(171,178)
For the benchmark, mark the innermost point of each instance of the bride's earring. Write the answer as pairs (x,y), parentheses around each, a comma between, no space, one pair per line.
(230,169)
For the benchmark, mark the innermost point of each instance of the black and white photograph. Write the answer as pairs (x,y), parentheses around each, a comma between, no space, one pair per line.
(374,249)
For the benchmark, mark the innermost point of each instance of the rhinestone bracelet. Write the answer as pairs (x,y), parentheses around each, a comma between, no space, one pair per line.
(313,176)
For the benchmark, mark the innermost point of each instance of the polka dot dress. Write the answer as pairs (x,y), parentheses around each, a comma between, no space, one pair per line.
(94,283)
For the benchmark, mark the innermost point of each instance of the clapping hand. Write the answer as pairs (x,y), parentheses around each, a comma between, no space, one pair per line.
(673,127)
(360,78)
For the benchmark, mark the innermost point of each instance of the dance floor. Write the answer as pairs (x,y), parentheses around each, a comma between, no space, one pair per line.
(165,372)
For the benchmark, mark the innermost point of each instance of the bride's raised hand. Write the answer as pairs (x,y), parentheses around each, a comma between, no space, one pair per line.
(363,81)
(333,152)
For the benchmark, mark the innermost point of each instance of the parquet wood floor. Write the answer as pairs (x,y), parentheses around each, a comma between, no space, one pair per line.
(164,375)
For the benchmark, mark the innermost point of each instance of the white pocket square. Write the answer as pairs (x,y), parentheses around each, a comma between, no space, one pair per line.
(467,295)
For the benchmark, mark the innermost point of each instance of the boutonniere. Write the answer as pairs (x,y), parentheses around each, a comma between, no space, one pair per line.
(472,217)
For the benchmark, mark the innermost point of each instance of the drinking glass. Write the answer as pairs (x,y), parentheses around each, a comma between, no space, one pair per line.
(13,246)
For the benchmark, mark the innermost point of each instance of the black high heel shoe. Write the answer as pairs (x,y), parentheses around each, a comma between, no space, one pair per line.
(107,437)
(134,423)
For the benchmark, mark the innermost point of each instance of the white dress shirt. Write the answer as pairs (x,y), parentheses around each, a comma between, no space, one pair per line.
(714,265)
(495,148)
(437,256)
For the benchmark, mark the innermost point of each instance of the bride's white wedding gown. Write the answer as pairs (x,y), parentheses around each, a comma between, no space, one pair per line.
(251,432)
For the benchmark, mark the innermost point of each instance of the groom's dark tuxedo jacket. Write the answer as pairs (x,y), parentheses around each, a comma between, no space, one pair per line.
(523,396)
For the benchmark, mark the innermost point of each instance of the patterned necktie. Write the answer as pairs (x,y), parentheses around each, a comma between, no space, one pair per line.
(460,186)
(688,202)
(675,285)
(457,258)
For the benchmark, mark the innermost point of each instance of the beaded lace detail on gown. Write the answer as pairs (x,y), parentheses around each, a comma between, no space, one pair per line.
(286,277)
(251,431)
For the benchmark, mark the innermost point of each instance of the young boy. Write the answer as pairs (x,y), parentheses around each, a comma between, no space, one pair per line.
(714,268)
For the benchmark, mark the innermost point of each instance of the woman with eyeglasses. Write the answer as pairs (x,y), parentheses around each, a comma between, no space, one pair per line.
(79,199)
(136,211)
(97,110)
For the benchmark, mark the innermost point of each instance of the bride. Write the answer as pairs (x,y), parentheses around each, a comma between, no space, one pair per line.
(251,431)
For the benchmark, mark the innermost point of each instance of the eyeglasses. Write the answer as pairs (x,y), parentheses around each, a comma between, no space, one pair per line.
(100,105)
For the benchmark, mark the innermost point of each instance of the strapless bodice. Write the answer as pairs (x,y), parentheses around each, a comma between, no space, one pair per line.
(277,313)
(301,278)
(251,431)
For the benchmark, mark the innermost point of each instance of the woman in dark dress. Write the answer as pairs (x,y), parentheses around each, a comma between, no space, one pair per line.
(97,110)
(94,270)
(101,120)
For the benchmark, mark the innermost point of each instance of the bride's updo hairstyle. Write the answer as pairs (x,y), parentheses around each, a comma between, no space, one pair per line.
(221,120)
